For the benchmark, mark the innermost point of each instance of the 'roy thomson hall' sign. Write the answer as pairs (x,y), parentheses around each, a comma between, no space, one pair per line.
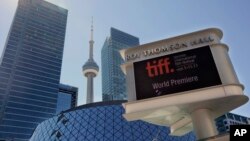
(178,81)
(183,71)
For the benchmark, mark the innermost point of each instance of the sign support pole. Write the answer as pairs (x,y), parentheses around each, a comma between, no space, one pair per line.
(203,123)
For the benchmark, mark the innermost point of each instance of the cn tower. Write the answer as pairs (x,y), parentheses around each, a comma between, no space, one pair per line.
(90,69)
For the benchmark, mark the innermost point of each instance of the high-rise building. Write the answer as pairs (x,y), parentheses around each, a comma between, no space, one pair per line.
(113,79)
(223,122)
(31,67)
(90,69)
(67,98)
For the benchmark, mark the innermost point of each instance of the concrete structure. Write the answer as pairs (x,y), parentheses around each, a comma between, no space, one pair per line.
(191,93)
(101,121)
(67,98)
(31,67)
(90,70)
(113,79)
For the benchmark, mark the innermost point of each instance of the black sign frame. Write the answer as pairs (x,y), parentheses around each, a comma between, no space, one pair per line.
(177,72)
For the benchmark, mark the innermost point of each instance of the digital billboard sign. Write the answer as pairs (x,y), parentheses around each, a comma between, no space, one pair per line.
(178,72)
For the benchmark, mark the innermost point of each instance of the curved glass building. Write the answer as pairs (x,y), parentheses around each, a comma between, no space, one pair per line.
(101,121)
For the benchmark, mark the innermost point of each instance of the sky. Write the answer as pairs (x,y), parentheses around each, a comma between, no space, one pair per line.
(150,20)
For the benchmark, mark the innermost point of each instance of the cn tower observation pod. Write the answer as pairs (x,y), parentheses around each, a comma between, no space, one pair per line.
(183,82)
(90,67)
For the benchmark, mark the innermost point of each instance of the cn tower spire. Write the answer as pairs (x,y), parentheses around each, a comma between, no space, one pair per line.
(92,30)
(91,42)
(90,68)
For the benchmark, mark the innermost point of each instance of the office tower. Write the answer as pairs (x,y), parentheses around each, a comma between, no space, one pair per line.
(67,98)
(31,67)
(113,79)
(90,70)
(223,122)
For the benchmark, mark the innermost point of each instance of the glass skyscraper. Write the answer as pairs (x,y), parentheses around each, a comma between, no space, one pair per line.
(113,79)
(223,122)
(30,68)
(67,98)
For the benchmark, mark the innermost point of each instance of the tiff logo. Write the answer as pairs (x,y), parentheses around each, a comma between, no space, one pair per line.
(159,67)
(239,132)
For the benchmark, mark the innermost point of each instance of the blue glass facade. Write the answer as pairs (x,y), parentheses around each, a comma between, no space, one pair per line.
(101,122)
(113,79)
(223,122)
(67,98)
(30,68)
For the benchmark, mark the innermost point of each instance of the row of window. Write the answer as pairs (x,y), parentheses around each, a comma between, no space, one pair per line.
(13,38)
(36,77)
(31,52)
(3,74)
(34,86)
(48,30)
(27,112)
(121,38)
(3,86)
(15,130)
(41,37)
(9,56)
(33,91)
(39,62)
(2,91)
(6,65)
(19,20)
(12,47)
(48,16)
(13,134)
(42,53)
(45,33)
(42,50)
(30,107)
(51,11)
(41,99)
(19,123)
(51,27)
(12,43)
(10,51)
(54,46)
(3,80)
(24,118)
(15,35)
(35,102)
(35,82)
(40,68)
(46,19)
(7,60)
(43,47)
(37,72)
(42,41)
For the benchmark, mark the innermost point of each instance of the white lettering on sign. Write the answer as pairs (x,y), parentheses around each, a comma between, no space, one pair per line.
(168,48)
